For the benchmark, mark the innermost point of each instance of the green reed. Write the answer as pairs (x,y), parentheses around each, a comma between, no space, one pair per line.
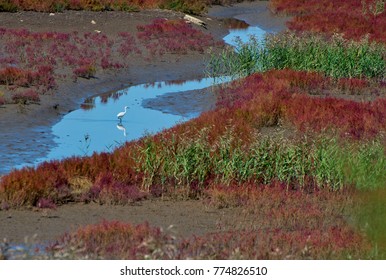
(335,56)
(182,161)
(236,62)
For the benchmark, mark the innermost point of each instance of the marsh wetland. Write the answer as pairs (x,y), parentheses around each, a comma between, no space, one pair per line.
(258,136)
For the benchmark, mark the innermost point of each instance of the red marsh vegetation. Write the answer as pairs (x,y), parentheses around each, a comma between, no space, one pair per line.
(354,18)
(33,63)
(187,6)
(274,224)
(60,5)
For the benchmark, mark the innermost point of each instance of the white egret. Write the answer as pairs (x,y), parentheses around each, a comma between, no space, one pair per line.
(122,114)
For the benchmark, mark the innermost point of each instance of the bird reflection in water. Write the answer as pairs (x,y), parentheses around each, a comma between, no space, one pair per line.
(121,127)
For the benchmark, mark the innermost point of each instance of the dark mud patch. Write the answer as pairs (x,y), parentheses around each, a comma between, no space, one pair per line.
(173,216)
(187,104)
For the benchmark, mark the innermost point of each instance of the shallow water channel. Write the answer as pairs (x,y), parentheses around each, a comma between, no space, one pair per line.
(95,127)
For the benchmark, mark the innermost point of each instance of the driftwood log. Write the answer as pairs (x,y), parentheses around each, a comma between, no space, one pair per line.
(194,21)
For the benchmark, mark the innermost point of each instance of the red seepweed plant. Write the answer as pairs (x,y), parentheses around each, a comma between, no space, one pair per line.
(114,240)
(53,56)
(354,18)
(281,96)
(173,36)
(26,97)
(269,222)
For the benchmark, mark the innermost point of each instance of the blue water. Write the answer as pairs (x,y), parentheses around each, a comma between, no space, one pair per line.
(95,126)
(244,35)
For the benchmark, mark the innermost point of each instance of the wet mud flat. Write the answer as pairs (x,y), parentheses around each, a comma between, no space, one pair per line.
(173,216)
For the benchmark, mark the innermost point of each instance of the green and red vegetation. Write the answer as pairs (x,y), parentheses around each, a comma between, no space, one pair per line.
(233,166)
(200,152)
(296,187)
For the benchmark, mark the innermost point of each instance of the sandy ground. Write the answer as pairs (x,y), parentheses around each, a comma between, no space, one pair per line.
(25,131)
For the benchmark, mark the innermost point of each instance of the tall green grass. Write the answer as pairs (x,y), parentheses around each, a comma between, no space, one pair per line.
(335,56)
(324,162)
(236,62)
(362,165)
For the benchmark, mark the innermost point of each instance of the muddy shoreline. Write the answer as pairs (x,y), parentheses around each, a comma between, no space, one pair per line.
(26,131)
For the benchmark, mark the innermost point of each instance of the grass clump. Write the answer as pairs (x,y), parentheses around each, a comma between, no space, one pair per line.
(334,57)
(323,162)
(8,6)
(360,165)
(236,62)
(197,164)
